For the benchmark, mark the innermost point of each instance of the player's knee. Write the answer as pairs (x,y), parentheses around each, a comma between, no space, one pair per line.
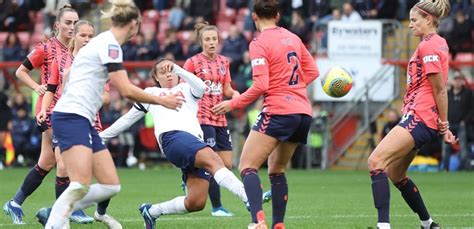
(374,162)
(47,164)
(248,171)
(195,205)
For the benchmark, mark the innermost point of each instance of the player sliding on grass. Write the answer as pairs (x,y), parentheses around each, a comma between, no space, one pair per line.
(181,140)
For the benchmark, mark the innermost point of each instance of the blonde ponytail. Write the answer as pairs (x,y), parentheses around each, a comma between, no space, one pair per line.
(122,12)
(438,9)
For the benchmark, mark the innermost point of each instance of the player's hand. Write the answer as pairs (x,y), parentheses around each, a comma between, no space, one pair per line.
(167,66)
(442,126)
(41,89)
(449,138)
(174,101)
(222,107)
(235,94)
(41,117)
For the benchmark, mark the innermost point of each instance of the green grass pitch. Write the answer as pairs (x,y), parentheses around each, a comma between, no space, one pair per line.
(318,199)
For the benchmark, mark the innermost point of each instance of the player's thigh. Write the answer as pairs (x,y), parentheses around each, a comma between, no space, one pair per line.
(197,192)
(226,156)
(104,168)
(256,150)
(78,162)
(46,160)
(397,170)
(394,146)
(278,159)
(207,159)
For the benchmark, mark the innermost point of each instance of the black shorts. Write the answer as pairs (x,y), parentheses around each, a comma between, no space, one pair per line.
(420,132)
(291,128)
(216,137)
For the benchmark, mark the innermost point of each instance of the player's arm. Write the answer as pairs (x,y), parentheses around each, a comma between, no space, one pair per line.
(106,95)
(118,77)
(51,88)
(125,122)
(308,65)
(230,92)
(34,59)
(440,94)
(198,87)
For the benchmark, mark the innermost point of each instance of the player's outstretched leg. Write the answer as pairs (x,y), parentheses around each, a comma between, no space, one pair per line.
(411,195)
(78,216)
(215,196)
(101,216)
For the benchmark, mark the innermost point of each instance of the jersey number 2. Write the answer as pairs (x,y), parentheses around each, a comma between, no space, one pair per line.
(294,77)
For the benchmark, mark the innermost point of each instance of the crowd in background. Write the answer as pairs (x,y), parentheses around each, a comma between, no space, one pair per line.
(175,40)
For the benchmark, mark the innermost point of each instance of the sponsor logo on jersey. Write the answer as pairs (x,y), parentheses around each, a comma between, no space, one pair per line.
(113,51)
(430,58)
(213,88)
(258,61)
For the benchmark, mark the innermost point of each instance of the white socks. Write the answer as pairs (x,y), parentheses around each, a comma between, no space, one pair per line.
(427,223)
(174,206)
(225,178)
(62,208)
(96,194)
(383,225)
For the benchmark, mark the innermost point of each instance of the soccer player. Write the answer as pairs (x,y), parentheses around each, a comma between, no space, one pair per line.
(83,32)
(424,115)
(41,58)
(213,69)
(83,152)
(180,138)
(282,68)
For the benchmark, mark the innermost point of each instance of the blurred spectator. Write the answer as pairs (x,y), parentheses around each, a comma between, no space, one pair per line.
(202,9)
(335,16)
(404,7)
(233,48)
(12,50)
(382,9)
(172,45)
(176,16)
(319,9)
(392,120)
(362,7)
(147,46)
(193,48)
(285,13)
(129,51)
(83,6)
(460,5)
(243,78)
(161,4)
(300,27)
(19,102)
(236,4)
(5,117)
(109,114)
(22,130)
(349,14)
(14,16)
(249,25)
(460,39)
(49,12)
(459,100)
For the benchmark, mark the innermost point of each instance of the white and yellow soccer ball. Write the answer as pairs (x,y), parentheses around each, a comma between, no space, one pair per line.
(337,82)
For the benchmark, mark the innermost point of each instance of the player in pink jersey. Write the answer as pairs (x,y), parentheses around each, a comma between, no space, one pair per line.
(282,68)
(424,115)
(41,58)
(213,69)
(83,32)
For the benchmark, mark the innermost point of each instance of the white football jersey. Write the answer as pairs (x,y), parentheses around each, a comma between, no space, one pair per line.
(83,92)
(184,119)
(165,119)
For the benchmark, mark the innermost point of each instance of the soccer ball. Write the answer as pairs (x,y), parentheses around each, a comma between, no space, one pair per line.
(337,82)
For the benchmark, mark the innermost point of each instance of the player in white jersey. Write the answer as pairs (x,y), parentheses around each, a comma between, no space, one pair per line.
(179,135)
(83,152)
